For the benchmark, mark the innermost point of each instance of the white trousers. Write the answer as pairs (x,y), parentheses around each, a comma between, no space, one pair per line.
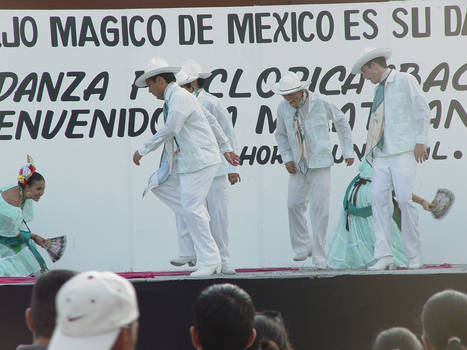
(217,201)
(395,172)
(186,195)
(313,190)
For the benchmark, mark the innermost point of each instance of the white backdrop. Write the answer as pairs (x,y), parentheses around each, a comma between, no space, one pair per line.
(93,190)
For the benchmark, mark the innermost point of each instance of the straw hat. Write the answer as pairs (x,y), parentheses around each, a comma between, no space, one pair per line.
(289,83)
(183,78)
(193,68)
(367,55)
(157,65)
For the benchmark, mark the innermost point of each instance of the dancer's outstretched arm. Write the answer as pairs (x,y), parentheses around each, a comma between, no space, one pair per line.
(429,206)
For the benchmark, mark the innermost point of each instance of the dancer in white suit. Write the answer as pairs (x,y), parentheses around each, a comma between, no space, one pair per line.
(217,199)
(396,141)
(189,162)
(302,134)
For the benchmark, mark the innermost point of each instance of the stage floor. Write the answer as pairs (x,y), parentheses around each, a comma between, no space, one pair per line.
(268,273)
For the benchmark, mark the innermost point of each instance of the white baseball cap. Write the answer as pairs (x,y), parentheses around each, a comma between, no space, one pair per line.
(289,83)
(92,308)
(155,66)
(367,55)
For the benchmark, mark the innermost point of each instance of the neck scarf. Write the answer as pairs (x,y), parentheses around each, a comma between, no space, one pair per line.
(376,125)
(166,163)
(302,156)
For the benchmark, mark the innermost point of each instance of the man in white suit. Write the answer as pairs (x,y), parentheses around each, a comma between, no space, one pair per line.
(217,199)
(396,142)
(302,134)
(189,162)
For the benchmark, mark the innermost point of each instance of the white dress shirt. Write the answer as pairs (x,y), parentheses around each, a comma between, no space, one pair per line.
(406,115)
(211,103)
(222,140)
(316,114)
(186,122)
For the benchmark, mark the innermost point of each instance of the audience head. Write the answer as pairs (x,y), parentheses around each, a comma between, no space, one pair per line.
(444,321)
(271,333)
(96,311)
(397,338)
(223,319)
(40,316)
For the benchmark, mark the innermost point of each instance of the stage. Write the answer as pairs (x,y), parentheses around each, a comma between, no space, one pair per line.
(323,310)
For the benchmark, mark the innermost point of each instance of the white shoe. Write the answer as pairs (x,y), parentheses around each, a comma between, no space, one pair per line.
(319,266)
(415,263)
(301,256)
(227,269)
(205,271)
(384,263)
(182,260)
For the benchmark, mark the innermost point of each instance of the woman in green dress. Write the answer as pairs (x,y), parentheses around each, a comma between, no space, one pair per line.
(352,243)
(18,254)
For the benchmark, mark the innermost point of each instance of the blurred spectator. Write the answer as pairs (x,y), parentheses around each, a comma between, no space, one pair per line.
(271,333)
(96,311)
(397,338)
(444,321)
(223,319)
(40,316)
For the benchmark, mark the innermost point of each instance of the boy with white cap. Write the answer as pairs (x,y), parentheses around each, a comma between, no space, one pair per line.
(96,311)
(189,162)
(396,141)
(217,199)
(302,134)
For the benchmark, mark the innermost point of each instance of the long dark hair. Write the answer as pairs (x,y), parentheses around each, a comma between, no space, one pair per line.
(271,333)
(35,177)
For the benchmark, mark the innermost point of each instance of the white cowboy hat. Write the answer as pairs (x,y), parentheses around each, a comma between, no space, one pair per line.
(183,78)
(194,69)
(157,65)
(289,83)
(367,55)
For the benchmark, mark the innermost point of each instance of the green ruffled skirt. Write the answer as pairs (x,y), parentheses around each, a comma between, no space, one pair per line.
(354,248)
(19,257)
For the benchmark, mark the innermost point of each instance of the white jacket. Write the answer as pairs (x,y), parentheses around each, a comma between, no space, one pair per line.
(319,111)
(186,122)
(406,115)
(211,103)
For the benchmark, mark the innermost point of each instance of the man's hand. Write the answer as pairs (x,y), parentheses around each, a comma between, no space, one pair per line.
(420,153)
(232,158)
(234,178)
(291,168)
(137,157)
(429,206)
(349,161)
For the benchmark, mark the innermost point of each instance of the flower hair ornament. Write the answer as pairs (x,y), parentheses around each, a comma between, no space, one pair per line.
(26,171)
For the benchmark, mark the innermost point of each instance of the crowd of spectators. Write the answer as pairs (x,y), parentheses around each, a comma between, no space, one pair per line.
(99,311)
